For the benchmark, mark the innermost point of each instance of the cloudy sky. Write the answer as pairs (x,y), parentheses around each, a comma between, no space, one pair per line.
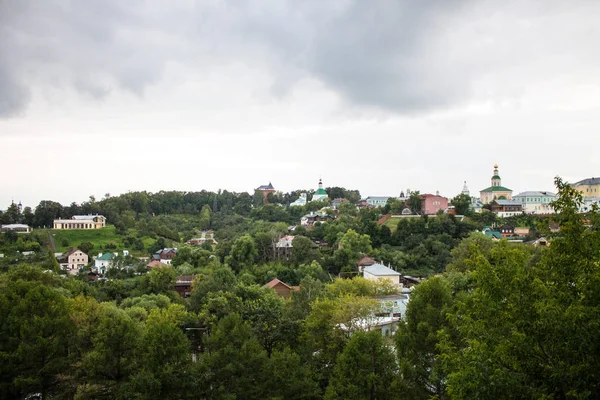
(109,96)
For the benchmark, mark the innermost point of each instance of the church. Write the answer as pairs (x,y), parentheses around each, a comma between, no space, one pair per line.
(496,191)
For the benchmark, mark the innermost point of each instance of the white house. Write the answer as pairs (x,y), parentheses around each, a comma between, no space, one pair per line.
(535,202)
(300,201)
(20,228)
(73,261)
(81,222)
(380,272)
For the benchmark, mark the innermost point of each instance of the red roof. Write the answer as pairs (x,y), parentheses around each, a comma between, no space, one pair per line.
(154,263)
(276,282)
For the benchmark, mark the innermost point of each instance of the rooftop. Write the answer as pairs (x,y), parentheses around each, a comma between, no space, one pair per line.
(380,270)
(532,193)
(266,187)
(588,181)
(507,203)
(496,189)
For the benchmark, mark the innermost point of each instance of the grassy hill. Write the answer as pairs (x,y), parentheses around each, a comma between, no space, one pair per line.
(392,223)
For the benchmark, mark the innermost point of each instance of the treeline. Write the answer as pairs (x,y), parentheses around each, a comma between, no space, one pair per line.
(503,321)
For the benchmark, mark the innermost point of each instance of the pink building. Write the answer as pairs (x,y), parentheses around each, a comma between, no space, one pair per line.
(432,203)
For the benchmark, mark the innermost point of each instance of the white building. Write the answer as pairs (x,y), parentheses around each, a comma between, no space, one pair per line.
(377,201)
(20,228)
(379,272)
(301,201)
(81,222)
(320,194)
(535,202)
(73,261)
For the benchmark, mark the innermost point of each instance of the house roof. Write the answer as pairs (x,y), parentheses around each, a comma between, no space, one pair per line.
(493,234)
(378,198)
(380,270)
(86,217)
(534,193)
(15,226)
(276,282)
(588,181)
(508,203)
(105,257)
(496,189)
(266,187)
(154,263)
(184,280)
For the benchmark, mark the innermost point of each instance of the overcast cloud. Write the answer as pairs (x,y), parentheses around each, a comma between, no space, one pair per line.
(373,95)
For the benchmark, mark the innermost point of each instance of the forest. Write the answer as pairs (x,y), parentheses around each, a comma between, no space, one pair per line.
(493,319)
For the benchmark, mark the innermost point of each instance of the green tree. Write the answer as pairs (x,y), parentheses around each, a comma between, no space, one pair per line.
(236,364)
(243,253)
(161,280)
(414,202)
(421,374)
(205,217)
(34,334)
(462,204)
(290,378)
(304,251)
(364,370)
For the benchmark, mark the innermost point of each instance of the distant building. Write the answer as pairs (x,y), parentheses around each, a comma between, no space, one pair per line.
(312,217)
(320,194)
(205,236)
(284,247)
(521,231)
(165,255)
(380,272)
(496,191)
(281,288)
(365,261)
(19,228)
(507,230)
(506,208)
(73,261)
(81,222)
(335,203)
(589,187)
(183,285)
(535,202)
(377,201)
(301,201)
(103,261)
(588,204)
(431,204)
(265,190)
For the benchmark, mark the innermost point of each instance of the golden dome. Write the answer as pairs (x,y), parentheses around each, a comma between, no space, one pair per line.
(496,166)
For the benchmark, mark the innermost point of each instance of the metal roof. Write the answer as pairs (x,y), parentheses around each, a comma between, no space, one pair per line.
(380,270)
(588,181)
(535,193)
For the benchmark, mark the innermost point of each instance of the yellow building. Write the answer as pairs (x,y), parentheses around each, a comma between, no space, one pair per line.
(81,222)
(496,191)
(589,187)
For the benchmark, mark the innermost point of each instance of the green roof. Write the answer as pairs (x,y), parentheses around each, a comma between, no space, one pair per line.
(321,191)
(496,177)
(105,256)
(496,189)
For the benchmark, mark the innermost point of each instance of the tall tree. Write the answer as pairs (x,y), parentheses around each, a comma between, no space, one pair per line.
(364,370)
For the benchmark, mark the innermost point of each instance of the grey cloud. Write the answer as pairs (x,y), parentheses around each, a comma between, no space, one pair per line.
(404,57)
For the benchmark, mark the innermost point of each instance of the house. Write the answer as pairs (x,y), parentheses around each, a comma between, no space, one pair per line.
(91,275)
(507,230)
(540,242)
(380,272)
(363,204)
(265,190)
(491,233)
(496,191)
(103,261)
(281,288)
(165,255)
(300,201)
(431,204)
(506,208)
(19,228)
(589,187)
(313,216)
(521,231)
(154,264)
(408,281)
(588,204)
(284,247)
(535,202)
(377,201)
(81,222)
(335,203)
(320,194)
(205,236)
(183,285)
(73,261)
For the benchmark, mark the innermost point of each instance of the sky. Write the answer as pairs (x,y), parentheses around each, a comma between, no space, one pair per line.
(109,96)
